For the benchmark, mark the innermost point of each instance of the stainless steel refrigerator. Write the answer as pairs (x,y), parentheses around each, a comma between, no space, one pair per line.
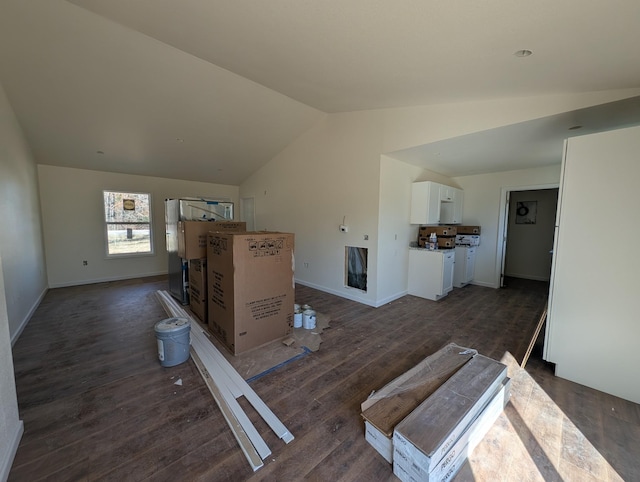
(188,209)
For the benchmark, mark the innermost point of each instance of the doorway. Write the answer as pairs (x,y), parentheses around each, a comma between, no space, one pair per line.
(526,232)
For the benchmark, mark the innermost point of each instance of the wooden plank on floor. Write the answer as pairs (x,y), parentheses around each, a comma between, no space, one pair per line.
(241,436)
(536,333)
(235,384)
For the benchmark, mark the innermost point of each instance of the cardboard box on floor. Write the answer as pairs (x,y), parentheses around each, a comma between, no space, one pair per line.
(192,236)
(198,288)
(250,288)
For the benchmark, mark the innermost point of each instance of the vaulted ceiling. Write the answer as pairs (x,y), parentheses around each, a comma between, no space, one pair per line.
(211,90)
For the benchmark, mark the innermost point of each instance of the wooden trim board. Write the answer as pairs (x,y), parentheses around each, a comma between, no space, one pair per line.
(217,372)
(532,343)
(241,436)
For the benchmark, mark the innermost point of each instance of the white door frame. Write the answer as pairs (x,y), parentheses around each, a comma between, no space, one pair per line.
(503,223)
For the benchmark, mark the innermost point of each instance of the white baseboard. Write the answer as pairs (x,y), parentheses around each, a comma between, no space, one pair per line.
(23,324)
(353,296)
(391,298)
(6,459)
(105,280)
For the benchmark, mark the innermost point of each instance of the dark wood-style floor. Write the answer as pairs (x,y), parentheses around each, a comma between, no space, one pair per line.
(97,405)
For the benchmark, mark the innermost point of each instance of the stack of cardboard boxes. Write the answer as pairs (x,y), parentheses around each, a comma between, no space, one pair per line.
(241,284)
(192,246)
(427,421)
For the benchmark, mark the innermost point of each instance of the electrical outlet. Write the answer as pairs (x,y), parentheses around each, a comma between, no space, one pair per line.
(344,228)
(306,265)
(85,263)
(366,237)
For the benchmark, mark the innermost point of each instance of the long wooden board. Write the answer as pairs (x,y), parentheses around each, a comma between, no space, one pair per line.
(236,385)
(225,391)
(222,383)
(247,447)
(536,333)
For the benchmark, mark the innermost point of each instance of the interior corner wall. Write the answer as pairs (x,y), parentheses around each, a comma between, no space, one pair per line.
(482,197)
(21,245)
(11,427)
(21,218)
(73,222)
(327,177)
(395,229)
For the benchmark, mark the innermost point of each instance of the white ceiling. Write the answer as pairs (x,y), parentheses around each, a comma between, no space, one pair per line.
(238,80)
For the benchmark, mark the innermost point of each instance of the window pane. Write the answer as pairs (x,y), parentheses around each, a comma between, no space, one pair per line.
(128,238)
(126,207)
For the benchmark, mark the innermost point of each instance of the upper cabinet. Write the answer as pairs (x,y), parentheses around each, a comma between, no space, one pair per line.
(446,193)
(425,203)
(434,203)
(451,211)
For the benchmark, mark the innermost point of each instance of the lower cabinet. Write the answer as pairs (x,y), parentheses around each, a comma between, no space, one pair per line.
(431,272)
(465,265)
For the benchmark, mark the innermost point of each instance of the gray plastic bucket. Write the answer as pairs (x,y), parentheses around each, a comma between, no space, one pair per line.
(173,336)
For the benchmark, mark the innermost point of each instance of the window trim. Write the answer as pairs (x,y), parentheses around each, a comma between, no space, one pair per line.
(106,224)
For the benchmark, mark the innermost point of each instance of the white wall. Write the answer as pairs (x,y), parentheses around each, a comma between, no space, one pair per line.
(395,230)
(21,236)
(73,222)
(22,277)
(334,170)
(482,200)
(330,174)
(11,427)
(529,245)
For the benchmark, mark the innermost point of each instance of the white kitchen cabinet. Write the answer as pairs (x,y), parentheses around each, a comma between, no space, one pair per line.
(431,272)
(465,265)
(434,203)
(451,211)
(446,193)
(425,203)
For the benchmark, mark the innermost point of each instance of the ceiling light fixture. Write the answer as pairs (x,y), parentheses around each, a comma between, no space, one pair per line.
(523,53)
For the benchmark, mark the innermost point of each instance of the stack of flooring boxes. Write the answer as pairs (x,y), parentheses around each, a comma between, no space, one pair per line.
(427,421)
(446,236)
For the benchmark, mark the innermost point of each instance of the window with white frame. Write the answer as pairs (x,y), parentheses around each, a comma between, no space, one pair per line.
(127,217)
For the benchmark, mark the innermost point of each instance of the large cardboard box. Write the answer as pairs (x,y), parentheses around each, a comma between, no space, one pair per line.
(192,236)
(250,288)
(198,288)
